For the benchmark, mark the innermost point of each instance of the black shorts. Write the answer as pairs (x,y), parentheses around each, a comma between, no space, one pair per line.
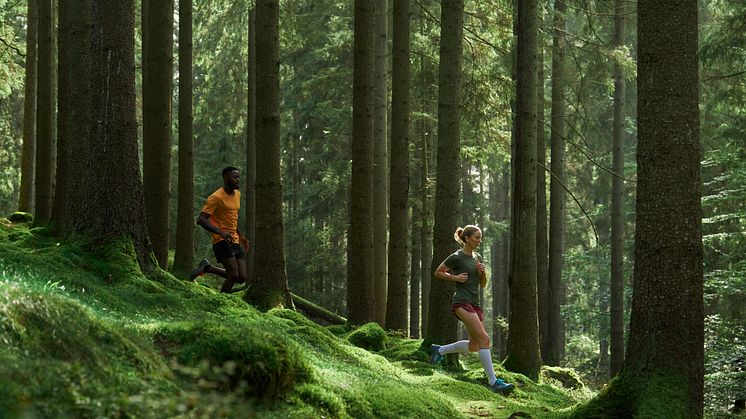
(224,250)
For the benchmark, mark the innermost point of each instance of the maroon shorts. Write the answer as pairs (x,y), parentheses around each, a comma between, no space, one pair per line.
(471,308)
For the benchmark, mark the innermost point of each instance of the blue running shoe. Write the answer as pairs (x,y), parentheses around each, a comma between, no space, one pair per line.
(435,355)
(500,386)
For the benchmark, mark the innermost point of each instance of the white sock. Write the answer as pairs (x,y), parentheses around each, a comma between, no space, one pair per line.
(461,346)
(486,357)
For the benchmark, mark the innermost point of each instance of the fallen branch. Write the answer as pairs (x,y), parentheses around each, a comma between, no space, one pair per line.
(316,310)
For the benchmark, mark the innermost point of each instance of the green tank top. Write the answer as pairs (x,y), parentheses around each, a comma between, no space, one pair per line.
(457,263)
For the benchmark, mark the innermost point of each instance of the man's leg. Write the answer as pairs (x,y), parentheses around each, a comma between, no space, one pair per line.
(231,268)
(216,271)
(242,274)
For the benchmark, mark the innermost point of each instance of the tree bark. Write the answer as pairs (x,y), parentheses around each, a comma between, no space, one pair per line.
(542,239)
(184,255)
(78,48)
(316,310)
(28,153)
(44,162)
(557,193)
(106,210)
(250,172)
(666,341)
(415,274)
(65,57)
(523,340)
(441,325)
(269,288)
(498,203)
(360,287)
(396,313)
(667,325)
(426,275)
(157,75)
(380,163)
(617,203)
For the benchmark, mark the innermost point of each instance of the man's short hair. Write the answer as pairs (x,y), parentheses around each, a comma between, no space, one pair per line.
(228,170)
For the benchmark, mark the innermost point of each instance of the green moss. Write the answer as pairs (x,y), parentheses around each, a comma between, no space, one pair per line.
(369,336)
(265,301)
(657,395)
(399,401)
(21,217)
(567,377)
(404,350)
(338,329)
(254,362)
(665,396)
(322,398)
(91,336)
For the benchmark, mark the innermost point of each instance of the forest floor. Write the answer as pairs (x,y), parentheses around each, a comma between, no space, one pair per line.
(90,336)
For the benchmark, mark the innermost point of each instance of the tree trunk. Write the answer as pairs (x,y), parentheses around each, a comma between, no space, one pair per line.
(396,311)
(63,132)
(250,172)
(497,252)
(415,261)
(184,255)
(523,341)
(78,49)
(44,162)
(666,329)
(468,211)
(617,203)
(269,288)
(360,287)
(157,74)
(28,153)
(441,325)
(315,310)
(108,210)
(503,261)
(542,244)
(557,193)
(426,255)
(666,342)
(380,163)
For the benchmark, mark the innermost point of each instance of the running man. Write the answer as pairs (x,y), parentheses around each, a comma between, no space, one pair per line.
(219,216)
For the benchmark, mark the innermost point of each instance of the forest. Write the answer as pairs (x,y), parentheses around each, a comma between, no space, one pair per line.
(597,144)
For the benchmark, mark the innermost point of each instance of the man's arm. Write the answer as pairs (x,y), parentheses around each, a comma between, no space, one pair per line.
(204,221)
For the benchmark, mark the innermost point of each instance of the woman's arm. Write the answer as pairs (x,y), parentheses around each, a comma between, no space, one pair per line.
(442,273)
(482,275)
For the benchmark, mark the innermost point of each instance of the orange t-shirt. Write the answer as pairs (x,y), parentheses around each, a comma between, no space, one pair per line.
(223,210)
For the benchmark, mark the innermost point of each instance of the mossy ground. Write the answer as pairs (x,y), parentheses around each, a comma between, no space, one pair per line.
(90,336)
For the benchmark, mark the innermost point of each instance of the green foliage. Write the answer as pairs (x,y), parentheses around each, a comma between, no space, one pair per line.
(369,336)
(12,71)
(725,365)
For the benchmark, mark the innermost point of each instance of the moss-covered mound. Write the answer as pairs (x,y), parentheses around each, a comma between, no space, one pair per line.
(369,336)
(21,217)
(565,376)
(254,361)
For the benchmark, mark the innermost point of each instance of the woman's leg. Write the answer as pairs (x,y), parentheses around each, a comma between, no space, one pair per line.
(479,340)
